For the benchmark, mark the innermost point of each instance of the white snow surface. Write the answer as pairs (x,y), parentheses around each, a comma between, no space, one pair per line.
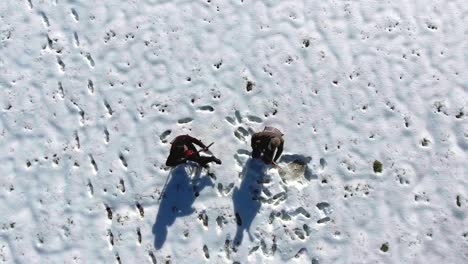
(92,92)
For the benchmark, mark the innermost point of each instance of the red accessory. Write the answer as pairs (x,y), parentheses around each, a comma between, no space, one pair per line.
(188,153)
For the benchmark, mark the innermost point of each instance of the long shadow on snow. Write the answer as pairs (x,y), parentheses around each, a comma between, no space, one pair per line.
(246,197)
(177,200)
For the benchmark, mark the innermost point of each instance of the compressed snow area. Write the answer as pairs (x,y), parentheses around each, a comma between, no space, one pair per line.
(371,97)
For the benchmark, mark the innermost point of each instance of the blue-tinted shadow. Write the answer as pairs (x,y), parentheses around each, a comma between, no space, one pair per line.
(246,197)
(177,199)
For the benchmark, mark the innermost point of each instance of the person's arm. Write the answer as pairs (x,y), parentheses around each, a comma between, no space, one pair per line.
(196,141)
(279,150)
(176,155)
(171,161)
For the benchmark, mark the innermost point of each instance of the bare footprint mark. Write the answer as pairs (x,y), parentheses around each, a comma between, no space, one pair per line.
(75,15)
(106,135)
(306,229)
(458,200)
(108,107)
(184,120)
(227,248)
(77,140)
(111,237)
(152,257)
(254,249)
(323,220)
(220,221)
(90,86)
(299,233)
(231,120)
(279,197)
(50,43)
(164,135)
(238,116)
(205,251)
(138,235)
(45,19)
(141,210)
(301,252)
(77,39)
(238,160)
(61,92)
(204,218)
(241,133)
(90,188)
(208,108)
(323,163)
(82,115)
(61,64)
(122,186)
(301,211)
(109,212)
(93,164)
(263,246)
(323,206)
(228,189)
(225,190)
(254,119)
(243,152)
(284,215)
(123,160)
(90,59)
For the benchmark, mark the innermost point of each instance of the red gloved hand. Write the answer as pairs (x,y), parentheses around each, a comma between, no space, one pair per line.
(188,153)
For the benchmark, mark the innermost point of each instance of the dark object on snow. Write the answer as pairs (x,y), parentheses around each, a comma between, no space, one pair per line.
(266,143)
(384,247)
(378,166)
(183,149)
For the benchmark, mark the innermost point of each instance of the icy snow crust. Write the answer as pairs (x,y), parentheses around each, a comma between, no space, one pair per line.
(92,92)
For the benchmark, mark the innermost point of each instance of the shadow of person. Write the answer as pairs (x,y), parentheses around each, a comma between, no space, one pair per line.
(177,198)
(246,198)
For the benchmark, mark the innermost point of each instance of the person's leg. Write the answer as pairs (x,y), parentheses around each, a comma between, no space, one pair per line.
(256,152)
(268,155)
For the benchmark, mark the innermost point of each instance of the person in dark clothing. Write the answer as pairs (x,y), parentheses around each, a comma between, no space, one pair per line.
(266,143)
(183,149)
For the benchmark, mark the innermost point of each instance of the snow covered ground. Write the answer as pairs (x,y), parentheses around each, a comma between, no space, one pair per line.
(371,96)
